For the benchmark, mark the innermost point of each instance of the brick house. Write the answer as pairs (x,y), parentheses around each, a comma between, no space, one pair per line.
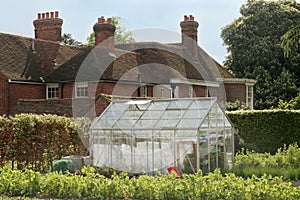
(42,75)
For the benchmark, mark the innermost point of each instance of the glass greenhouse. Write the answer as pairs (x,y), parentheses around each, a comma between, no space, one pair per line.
(149,136)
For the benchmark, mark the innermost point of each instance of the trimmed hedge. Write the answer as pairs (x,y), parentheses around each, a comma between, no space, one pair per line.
(267,130)
(34,141)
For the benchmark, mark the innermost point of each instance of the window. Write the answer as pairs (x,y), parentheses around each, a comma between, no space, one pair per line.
(191,91)
(144,91)
(81,90)
(249,96)
(52,91)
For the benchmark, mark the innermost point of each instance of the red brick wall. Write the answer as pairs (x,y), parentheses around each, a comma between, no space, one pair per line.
(183,91)
(4,92)
(68,90)
(235,92)
(199,91)
(25,91)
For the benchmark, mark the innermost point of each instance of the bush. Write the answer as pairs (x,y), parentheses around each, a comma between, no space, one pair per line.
(94,186)
(34,141)
(267,130)
(285,163)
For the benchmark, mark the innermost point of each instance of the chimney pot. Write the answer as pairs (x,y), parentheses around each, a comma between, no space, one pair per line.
(39,15)
(56,14)
(43,15)
(109,20)
(47,15)
(186,18)
(52,14)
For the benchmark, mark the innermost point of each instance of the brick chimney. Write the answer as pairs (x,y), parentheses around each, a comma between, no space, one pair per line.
(104,33)
(47,26)
(189,34)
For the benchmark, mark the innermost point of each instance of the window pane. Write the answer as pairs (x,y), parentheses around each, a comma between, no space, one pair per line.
(81,90)
(52,91)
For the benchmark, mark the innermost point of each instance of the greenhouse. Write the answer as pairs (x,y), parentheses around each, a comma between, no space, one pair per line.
(151,136)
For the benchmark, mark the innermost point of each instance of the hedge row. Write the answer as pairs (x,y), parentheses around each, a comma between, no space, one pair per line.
(94,186)
(267,130)
(34,141)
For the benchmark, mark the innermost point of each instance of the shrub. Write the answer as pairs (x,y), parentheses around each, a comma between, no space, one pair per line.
(267,130)
(285,163)
(94,186)
(34,141)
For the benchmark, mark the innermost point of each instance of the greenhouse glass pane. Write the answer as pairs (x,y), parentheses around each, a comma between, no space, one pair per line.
(124,124)
(202,104)
(104,124)
(186,136)
(153,114)
(167,123)
(147,124)
(179,103)
(136,114)
(189,124)
(173,114)
(158,105)
(195,114)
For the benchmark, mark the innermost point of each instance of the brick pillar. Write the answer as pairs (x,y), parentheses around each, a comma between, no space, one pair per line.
(189,34)
(48,26)
(104,33)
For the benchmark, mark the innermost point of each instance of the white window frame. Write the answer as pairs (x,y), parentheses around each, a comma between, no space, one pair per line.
(191,91)
(206,92)
(84,86)
(144,91)
(51,86)
(249,96)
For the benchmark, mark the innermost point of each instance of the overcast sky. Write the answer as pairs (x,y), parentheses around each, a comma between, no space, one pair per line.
(16,17)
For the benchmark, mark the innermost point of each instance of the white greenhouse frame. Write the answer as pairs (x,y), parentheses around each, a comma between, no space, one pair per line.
(148,136)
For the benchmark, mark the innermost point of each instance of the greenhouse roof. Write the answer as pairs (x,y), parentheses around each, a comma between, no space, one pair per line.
(162,114)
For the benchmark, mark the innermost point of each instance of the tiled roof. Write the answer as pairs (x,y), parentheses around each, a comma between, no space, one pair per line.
(29,59)
(24,58)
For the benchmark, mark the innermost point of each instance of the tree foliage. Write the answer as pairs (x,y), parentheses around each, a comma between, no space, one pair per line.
(291,40)
(121,34)
(293,104)
(68,39)
(253,43)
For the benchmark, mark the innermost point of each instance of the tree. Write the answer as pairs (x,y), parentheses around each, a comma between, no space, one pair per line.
(121,34)
(254,49)
(291,40)
(68,39)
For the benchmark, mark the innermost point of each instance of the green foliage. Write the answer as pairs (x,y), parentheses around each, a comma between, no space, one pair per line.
(267,130)
(293,104)
(68,39)
(93,186)
(253,43)
(285,163)
(237,105)
(121,34)
(34,141)
(291,40)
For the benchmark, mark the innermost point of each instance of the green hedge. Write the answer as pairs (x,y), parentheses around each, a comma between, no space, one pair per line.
(94,186)
(267,130)
(34,141)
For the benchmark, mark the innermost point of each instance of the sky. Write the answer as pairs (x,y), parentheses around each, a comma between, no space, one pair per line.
(151,20)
